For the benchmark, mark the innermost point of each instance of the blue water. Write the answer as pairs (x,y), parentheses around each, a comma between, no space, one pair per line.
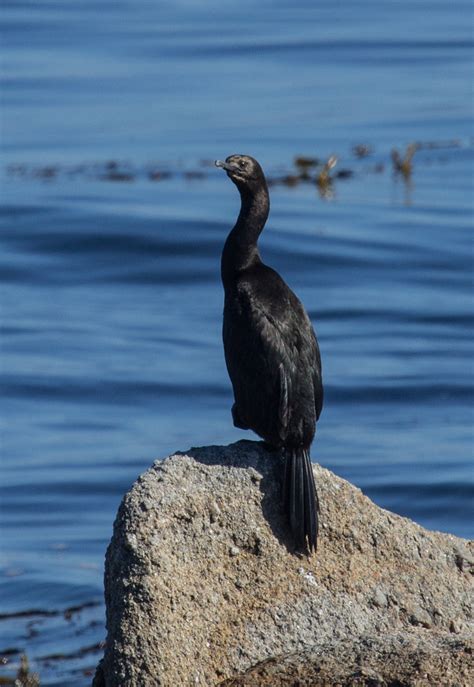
(111,300)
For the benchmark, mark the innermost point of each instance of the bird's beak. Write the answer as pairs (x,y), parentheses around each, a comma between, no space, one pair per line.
(226,165)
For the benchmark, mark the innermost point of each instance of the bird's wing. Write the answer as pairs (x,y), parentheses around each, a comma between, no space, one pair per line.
(317,378)
(308,352)
(279,353)
(270,347)
(307,347)
(293,347)
(261,364)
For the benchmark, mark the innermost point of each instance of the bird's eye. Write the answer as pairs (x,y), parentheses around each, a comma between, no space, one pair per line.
(242,164)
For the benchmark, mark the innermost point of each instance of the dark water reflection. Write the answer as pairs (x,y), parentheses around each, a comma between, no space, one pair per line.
(111,300)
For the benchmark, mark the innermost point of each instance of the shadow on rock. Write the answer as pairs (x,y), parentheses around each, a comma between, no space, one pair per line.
(269,475)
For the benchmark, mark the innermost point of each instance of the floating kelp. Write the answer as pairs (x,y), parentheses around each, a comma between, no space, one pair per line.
(23,677)
(307,169)
(361,150)
(403,165)
(158,175)
(344,174)
(324,178)
(292,179)
(114,172)
(304,164)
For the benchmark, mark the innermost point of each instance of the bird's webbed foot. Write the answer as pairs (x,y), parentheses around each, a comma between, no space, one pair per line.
(238,422)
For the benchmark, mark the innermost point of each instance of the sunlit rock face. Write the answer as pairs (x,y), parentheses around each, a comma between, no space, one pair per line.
(202,585)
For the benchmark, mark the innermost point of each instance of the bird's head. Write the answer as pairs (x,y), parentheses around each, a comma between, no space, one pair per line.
(244,171)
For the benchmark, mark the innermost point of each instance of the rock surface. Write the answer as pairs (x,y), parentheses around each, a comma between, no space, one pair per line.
(202,587)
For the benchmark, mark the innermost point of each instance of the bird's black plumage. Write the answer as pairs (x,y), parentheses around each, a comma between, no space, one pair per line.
(271,351)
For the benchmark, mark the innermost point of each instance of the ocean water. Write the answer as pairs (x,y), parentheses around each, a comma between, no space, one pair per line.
(111,299)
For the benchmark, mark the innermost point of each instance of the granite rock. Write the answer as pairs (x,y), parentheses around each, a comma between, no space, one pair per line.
(202,586)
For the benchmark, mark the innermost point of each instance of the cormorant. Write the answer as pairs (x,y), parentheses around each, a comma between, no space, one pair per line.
(271,352)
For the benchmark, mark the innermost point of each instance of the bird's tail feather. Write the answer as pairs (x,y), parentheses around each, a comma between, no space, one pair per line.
(301,499)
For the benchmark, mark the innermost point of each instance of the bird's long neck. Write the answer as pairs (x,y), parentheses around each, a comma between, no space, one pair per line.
(240,249)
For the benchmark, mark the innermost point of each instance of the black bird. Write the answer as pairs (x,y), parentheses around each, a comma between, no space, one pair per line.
(271,352)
